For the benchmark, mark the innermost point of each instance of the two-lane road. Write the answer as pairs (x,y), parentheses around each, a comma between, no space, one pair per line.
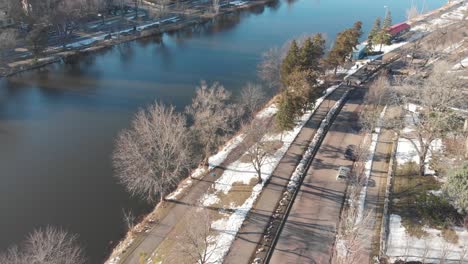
(309,233)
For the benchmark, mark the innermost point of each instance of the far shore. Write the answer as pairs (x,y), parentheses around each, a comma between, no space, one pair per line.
(50,57)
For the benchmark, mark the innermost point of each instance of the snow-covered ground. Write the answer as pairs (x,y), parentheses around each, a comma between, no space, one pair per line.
(218,158)
(446,19)
(91,40)
(407,150)
(463,64)
(433,246)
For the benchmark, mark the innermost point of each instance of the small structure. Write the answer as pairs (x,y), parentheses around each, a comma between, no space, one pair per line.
(398,29)
(359,52)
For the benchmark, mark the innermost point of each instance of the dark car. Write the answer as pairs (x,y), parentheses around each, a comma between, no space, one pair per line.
(350,153)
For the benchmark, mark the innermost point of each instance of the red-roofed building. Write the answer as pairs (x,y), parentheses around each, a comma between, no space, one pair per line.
(398,29)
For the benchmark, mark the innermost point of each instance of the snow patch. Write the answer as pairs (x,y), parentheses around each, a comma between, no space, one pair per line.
(401,244)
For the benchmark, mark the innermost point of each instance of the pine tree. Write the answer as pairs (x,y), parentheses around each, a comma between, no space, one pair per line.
(357,31)
(307,55)
(346,41)
(382,37)
(387,22)
(290,62)
(375,29)
(319,49)
(286,113)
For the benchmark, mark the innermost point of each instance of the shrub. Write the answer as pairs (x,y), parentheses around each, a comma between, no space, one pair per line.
(450,235)
(409,168)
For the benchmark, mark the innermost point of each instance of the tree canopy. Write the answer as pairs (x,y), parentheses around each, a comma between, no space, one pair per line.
(344,45)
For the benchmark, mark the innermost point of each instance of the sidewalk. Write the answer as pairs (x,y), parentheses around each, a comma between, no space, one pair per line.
(252,229)
(376,194)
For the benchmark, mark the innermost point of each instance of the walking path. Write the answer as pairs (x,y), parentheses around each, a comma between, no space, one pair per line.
(376,194)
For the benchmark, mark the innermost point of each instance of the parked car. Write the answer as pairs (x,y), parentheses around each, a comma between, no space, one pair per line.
(350,153)
(343,173)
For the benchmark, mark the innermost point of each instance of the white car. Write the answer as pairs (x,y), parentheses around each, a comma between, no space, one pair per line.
(343,173)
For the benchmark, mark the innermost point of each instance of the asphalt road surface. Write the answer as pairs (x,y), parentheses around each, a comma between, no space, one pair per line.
(309,233)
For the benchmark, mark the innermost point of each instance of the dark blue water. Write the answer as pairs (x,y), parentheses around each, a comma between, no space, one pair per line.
(58,124)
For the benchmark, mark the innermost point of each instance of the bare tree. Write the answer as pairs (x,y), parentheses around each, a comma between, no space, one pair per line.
(129,219)
(412,12)
(213,117)
(351,237)
(37,40)
(378,91)
(261,149)
(216,6)
(152,156)
(377,95)
(426,251)
(49,245)
(444,252)
(7,40)
(195,243)
(252,98)
(434,96)
(12,256)
(270,67)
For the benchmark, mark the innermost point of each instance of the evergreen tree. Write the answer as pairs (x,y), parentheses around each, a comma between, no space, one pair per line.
(307,55)
(456,188)
(344,45)
(382,37)
(286,112)
(373,32)
(387,22)
(319,48)
(357,32)
(290,62)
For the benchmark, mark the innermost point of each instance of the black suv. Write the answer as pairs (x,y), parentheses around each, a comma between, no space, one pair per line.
(350,153)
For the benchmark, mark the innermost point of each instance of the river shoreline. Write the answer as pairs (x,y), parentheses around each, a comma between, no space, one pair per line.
(29,64)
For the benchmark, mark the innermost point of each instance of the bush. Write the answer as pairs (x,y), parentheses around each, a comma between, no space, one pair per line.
(409,168)
(436,211)
(456,188)
(450,235)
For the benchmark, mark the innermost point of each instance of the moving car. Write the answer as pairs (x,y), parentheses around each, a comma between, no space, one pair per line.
(350,153)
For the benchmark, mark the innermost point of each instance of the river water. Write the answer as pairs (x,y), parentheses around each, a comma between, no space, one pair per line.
(58,124)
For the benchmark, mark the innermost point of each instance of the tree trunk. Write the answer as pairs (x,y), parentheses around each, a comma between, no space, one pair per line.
(422,159)
(259,176)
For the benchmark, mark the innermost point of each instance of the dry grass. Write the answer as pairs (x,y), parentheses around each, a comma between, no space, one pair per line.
(450,235)
(238,194)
